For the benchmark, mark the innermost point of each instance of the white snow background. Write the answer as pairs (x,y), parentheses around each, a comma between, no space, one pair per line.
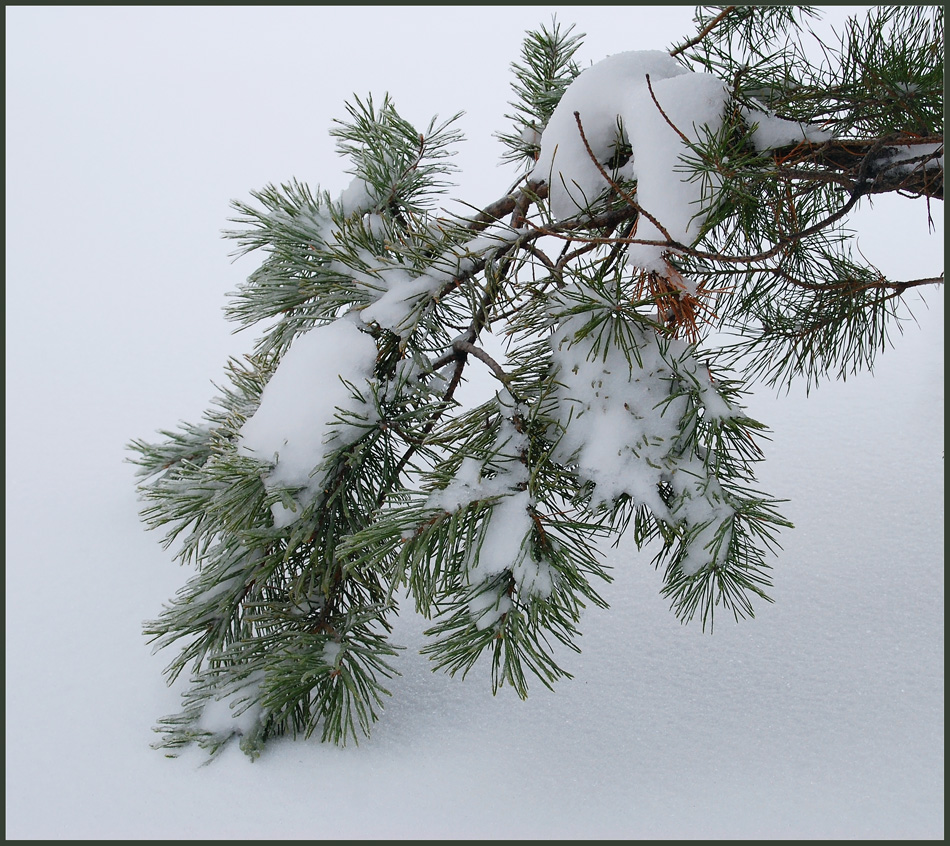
(128,131)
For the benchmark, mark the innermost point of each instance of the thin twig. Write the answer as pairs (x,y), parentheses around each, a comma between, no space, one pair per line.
(467,347)
(626,197)
(854,286)
(703,32)
(672,125)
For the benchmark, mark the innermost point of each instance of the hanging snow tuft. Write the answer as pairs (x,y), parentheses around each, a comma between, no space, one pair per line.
(601,95)
(616,108)
(692,103)
(620,424)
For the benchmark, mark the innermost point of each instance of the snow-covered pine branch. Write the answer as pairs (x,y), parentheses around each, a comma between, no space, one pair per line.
(677,233)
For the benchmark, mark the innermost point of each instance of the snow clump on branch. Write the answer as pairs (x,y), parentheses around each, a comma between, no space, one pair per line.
(646,101)
(613,102)
(297,425)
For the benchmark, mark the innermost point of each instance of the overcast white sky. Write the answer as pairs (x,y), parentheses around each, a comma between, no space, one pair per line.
(128,132)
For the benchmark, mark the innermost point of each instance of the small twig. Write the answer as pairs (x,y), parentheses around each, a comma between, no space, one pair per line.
(464,346)
(703,32)
(569,255)
(520,212)
(542,257)
(627,198)
(854,286)
(672,125)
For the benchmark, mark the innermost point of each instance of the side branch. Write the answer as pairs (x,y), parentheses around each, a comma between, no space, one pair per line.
(885,171)
(506,205)
(853,287)
(464,346)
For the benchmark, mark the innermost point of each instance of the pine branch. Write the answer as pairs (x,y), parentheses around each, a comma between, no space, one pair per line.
(310,510)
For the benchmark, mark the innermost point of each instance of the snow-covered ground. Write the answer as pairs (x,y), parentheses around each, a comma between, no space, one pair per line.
(128,131)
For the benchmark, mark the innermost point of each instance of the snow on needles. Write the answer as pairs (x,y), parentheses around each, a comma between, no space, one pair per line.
(293,427)
(620,424)
(504,537)
(620,420)
(620,408)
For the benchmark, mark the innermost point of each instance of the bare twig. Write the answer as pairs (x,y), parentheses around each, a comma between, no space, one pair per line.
(672,125)
(626,197)
(464,346)
(704,31)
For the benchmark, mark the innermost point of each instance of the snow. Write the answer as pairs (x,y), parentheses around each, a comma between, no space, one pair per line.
(772,131)
(654,103)
(822,718)
(616,92)
(614,423)
(504,545)
(404,295)
(297,424)
(910,157)
(601,95)
(690,102)
(356,197)
(619,425)
(504,536)
(233,712)
(331,652)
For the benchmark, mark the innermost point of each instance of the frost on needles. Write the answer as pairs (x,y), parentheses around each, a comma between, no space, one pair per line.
(655,238)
